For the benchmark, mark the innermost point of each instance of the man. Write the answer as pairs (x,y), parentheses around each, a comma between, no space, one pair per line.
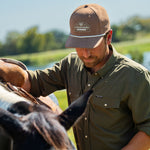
(118,113)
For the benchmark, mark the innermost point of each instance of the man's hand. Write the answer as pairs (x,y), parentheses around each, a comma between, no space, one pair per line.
(11,71)
(141,141)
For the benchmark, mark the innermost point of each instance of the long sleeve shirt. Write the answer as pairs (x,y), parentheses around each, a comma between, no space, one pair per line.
(119,106)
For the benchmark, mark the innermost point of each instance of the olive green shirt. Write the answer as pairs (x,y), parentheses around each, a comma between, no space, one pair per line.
(119,106)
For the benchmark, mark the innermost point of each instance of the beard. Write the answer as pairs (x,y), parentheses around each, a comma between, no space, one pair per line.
(96,60)
(91,61)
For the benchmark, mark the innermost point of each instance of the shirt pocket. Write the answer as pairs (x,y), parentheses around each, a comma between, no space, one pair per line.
(106,101)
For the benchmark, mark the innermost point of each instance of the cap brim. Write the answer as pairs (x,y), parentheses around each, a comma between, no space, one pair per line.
(74,42)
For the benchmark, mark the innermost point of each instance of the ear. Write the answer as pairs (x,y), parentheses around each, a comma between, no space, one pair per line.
(21,108)
(10,123)
(109,37)
(74,111)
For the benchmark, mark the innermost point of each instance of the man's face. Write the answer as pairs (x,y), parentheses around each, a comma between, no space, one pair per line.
(94,58)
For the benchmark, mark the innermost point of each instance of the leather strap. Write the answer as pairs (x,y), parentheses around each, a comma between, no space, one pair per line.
(42,100)
(21,92)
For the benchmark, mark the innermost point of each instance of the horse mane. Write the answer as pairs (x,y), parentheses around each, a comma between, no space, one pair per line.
(49,128)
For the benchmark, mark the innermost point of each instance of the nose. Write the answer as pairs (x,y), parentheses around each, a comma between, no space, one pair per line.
(86,53)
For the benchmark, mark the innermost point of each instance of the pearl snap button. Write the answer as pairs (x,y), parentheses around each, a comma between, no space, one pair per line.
(89,85)
(85,118)
(105,105)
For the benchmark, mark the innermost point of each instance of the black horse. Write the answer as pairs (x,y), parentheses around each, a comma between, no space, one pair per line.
(36,127)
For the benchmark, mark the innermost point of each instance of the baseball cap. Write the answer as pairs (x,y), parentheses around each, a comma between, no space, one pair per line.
(88,24)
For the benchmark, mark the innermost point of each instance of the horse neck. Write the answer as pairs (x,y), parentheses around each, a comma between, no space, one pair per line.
(7,98)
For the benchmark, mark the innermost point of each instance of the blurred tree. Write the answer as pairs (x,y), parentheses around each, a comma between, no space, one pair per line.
(31,40)
(116,33)
(49,41)
(123,32)
(131,28)
(140,24)
(60,39)
(1,49)
(10,45)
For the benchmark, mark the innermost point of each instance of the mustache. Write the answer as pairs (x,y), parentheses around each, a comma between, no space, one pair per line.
(90,57)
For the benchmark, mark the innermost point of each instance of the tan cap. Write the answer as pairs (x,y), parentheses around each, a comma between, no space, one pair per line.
(88,23)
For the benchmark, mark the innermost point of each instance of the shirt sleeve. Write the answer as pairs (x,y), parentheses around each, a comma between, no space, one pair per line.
(44,82)
(139,101)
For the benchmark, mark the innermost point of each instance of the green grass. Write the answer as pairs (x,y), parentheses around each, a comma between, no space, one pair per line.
(42,58)
(140,45)
(134,48)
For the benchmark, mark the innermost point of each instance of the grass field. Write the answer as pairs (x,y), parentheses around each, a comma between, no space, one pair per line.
(62,99)
(140,45)
(42,58)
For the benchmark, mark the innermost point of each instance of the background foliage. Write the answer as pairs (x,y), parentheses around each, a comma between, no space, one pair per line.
(31,41)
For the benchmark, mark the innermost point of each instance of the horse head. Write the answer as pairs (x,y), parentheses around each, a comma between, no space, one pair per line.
(34,126)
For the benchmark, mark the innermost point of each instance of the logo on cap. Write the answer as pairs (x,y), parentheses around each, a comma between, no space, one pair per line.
(82,27)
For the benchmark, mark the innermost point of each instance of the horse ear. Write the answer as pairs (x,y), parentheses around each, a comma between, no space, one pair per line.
(10,123)
(74,111)
(21,108)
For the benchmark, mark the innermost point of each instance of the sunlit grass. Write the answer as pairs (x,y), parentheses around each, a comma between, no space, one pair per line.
(140,45)
(62,99)
(41,58)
